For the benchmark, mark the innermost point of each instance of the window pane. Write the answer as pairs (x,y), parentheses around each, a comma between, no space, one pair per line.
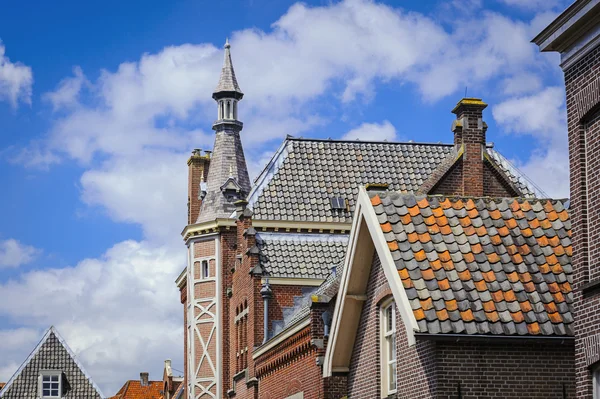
(54,385)
(46,378)
(393,347)
(392,376)
(54,378)
(55,392)
(389,318)
(46,392)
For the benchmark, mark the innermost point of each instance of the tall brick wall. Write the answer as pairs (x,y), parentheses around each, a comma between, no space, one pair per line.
(197,171)
(507,370)
(416,364)
(583,96)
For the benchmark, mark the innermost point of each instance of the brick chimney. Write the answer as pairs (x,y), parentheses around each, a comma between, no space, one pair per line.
(144,379)
(197,172)
(469,136)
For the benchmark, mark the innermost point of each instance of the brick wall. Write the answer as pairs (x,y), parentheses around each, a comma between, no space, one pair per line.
(197,170)
(519,371)
(416,366)
(583,97)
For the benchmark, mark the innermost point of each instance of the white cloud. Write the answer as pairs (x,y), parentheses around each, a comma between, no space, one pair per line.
(16,80)
(372,132)
(131,129)
(543,116)
(119,312)
(537,5)
(14,254)
(524,83)
(67,94)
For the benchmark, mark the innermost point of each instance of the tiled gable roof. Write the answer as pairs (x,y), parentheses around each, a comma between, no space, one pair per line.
(481,265)
(300,255)
(133,389)
(52,353)
(305,174)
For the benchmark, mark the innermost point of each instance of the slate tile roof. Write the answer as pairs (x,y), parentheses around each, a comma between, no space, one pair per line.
(133,389)
(299,183)
(52,353)
(300,255)
(481,265)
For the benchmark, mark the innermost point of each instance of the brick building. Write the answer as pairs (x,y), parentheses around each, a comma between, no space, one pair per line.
(266,259)
(575,34)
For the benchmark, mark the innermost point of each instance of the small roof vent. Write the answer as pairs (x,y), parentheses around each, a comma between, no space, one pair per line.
(338,203)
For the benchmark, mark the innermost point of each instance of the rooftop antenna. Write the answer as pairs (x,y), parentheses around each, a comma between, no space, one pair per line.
(466,87)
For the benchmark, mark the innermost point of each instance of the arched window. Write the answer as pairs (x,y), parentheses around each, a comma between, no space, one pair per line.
(228,115)
(221,109)
(235,110)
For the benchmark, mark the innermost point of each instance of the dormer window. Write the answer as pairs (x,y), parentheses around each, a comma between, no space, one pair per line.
(50,384)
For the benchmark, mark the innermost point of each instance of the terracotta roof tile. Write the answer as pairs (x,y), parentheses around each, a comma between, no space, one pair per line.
(505,258)
(133,389)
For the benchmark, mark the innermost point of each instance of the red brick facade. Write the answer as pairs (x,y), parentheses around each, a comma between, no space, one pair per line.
(584,150)
(442,369)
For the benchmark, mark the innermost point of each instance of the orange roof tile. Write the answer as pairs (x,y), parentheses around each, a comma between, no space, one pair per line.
(450,252)
(133,389)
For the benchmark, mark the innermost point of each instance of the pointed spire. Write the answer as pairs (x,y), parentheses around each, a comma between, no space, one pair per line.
(228,85)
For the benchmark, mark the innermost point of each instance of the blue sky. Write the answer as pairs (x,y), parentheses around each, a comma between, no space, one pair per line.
(101,104)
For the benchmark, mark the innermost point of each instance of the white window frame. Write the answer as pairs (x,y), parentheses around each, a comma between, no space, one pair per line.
(50,374)
(596,382)
(387,340)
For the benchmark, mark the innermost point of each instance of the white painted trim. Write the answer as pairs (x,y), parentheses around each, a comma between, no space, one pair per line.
(348,260)
(206,226)
(312,282)
(389,267)
(364,211)
(182,278)
(62,341)
(218,322)
(281,337)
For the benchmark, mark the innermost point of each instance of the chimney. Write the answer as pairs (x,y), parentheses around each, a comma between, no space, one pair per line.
(144,379)
(469,136)
(197,172)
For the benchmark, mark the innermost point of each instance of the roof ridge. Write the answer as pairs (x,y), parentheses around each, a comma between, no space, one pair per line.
(290,138)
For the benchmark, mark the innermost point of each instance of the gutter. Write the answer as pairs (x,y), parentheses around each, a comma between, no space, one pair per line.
(547,339)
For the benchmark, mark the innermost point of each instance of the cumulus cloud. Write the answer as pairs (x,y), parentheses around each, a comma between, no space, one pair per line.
(537,5)
(543,116)
(118,312)
(14,254)
(16,80)
(384,131)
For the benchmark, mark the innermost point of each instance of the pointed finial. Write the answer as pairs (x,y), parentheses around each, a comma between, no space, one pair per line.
(227,45)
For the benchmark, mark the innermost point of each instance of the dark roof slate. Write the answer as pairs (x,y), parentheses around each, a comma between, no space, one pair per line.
(300,255)
(299,183)
(481,266)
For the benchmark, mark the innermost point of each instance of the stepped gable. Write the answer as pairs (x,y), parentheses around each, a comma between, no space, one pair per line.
(300,255)
(481,265)
(300,181)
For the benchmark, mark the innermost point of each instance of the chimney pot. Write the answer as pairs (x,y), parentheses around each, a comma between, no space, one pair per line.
(144,378)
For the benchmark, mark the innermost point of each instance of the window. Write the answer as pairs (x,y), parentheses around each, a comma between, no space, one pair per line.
(338,203)
(388,349)
(205,270)
(51,384)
